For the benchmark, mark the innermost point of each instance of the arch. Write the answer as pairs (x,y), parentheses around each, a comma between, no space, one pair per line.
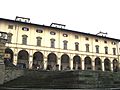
(65,62)
(23,58)
(76,62)
(38,60)
(107,64)
(9,54)
(88,63)
(51,61)
(98,64)
(115,65)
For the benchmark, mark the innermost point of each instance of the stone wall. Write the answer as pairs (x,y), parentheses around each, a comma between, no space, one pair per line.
(12,73)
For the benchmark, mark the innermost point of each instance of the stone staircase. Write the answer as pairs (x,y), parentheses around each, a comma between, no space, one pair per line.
(66,80)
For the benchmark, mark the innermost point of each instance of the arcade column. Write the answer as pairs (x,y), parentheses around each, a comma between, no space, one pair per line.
(3,40)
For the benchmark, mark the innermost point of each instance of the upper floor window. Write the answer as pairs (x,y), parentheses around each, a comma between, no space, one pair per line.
(86,38)
(114,51)
(24,39)
(87,47)
(113,43)
(97,48)
(52,33)
(38,41)
(39,30)
(76,36)
(65,35)
(9,37)
(106,50)
(96,40)
(52,43)
(76,46)
(65,44)
(25,28)
(10,26)
(105,41)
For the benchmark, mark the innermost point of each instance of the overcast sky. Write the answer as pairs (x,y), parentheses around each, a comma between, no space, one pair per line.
(90,16)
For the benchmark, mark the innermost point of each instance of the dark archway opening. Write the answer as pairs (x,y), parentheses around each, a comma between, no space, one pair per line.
(98,64)
(76,63)
(38,61)
(23,58)
(107,64)
(65,62)
(88,63)
(51,61)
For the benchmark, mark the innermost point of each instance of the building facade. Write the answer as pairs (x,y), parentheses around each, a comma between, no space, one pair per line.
(55,48)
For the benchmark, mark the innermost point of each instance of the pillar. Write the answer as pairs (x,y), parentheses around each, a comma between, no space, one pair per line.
(103,66)
(71,64)
(82,61)
(59,63)
(30,59)
(15,59)
(45,63)
(111,65)
(93,65)
(30,62)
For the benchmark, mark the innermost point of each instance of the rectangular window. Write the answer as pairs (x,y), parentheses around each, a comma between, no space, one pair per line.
(65,44)
(77,46)
(97,49)
(38,41)
(24,39)
(52,43)
(114,51)
(87,47)
(10,26)
(106,50)
(76,36)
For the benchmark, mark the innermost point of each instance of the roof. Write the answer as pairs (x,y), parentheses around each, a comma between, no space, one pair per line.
(97,36)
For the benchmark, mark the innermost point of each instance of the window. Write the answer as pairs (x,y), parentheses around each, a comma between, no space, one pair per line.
(76,46)
(38,41)
(52,33)
(65,44)
(52,43)
(113,43)
(87,38)
(96,40)
(106,50)
(76,36)
(25,29)
(87,47)
(97,48)
(105,41)
(39,30)
(24,39)
(10,26)
(114,51)
(65,35)
(9,37)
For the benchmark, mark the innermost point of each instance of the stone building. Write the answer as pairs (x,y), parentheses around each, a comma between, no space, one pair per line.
(53,47)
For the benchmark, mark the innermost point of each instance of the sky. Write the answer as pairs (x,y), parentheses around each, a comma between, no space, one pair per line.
(89,16)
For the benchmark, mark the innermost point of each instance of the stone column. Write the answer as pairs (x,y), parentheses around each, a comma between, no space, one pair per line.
(45,63)
(71,64)
(30,62)
(83,65)
(93,65)
(15,59)
(30,59)
(59,63)
(103,67)
(111,65)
